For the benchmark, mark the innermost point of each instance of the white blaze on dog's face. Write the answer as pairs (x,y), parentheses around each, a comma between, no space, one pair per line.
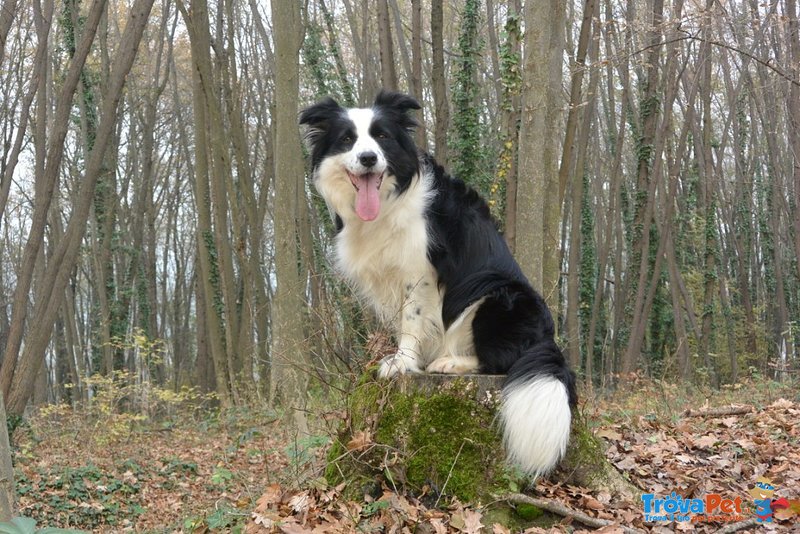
(361,156)
(365,165)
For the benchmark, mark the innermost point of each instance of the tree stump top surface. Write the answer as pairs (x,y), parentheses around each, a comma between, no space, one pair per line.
(480,386)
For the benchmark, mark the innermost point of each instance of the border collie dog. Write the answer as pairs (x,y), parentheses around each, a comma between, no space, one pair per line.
(421,247)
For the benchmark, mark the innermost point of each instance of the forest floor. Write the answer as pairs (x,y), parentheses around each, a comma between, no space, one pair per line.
(241,471)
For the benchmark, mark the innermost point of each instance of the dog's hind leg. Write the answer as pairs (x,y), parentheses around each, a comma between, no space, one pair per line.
(454,365)
(458,350)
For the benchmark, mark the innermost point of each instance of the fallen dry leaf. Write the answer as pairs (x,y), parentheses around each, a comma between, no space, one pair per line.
(609,434)
(361,440)
(591,503)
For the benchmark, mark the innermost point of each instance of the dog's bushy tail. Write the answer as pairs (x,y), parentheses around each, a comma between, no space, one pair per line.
(536,411)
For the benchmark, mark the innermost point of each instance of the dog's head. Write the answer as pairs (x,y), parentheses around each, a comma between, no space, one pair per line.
(362,156)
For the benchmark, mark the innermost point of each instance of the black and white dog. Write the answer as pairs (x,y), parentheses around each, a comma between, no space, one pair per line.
(421,247)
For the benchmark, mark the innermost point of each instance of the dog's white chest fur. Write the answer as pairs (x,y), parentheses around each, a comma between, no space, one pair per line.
(387,259)
(386,264)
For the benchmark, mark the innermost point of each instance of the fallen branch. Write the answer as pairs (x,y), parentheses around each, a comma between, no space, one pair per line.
(719,411)
(564,511)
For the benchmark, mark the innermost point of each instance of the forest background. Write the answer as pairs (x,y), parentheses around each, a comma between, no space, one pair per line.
(159,231)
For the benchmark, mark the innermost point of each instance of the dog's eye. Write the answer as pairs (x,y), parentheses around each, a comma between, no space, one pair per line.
(347,138)
(381,135)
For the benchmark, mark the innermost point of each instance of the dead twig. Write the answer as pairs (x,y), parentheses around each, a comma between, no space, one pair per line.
(564,511)
(719,411)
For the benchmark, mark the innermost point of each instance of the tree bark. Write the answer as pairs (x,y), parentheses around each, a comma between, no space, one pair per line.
(7,487)
(7,12)
(440,104)
(198,24)
(538,212)
(45,184)
(63,260)
(289,354)
(508,161)
(421,133)
(793,104)
(577,171)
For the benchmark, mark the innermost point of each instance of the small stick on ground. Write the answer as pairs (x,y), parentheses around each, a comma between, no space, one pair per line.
(562,510)
(719,412)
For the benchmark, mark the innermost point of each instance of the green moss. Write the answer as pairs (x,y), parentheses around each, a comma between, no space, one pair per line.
(443,438)
(332,474)
(585,464)
(585,449)
(451,442)
(519,517)
(528,512)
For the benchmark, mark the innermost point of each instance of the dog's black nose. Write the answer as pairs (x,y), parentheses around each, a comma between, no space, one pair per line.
(368,159)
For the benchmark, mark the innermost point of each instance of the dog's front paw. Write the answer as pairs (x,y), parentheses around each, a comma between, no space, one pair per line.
(453,365)
(398,364)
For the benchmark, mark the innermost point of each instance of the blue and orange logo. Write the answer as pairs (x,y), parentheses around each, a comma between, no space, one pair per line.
(716,508)
(713,507)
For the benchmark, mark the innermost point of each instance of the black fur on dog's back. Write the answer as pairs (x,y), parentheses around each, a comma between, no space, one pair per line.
(473,261)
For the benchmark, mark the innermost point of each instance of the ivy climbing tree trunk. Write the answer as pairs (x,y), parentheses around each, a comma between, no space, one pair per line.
(636,277)
(56,276)
(507,161)
(466,126)
(209,276)
(45,185)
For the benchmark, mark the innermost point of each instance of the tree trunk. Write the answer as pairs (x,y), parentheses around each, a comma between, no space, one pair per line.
(793,97)
(577,172)
(440,105)
(508,161)
(64,256)
(538,211)
(7,12)
(645,192)
(45,185)
(708,205)
(551,252)
(8,491)
(208,270)
(421,133)
(289,354)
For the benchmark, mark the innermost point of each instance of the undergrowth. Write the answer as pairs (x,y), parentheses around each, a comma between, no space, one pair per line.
(659,400)
(177,467)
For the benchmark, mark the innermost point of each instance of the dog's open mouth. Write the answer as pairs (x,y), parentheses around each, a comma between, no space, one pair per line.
(368,200)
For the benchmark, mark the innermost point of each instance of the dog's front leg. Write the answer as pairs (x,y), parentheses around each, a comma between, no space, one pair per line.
(405,360)
(409,357)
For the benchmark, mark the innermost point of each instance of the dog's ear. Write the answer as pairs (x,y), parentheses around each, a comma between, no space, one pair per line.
(318,118)
(399,103)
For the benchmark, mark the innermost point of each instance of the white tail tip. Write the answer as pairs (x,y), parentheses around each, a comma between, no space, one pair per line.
(536,420)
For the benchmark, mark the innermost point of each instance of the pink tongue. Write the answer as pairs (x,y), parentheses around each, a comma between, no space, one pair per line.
(368,202)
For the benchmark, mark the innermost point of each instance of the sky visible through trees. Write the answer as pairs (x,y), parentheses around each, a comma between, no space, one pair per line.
(643,159)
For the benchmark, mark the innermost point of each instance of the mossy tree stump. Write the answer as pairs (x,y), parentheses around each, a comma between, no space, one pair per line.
(439,434)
